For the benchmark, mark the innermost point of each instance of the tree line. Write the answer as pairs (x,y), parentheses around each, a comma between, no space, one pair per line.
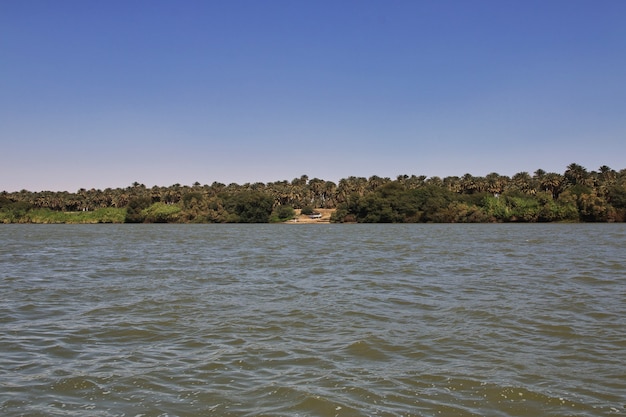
(576,195)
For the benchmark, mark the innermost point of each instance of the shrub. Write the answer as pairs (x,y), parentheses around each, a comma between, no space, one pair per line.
(282,213)
(134,209)
(161,213)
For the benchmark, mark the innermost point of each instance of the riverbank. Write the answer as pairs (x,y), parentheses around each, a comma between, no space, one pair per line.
(308,219)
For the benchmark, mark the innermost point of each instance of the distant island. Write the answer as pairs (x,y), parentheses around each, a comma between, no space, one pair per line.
(577,195)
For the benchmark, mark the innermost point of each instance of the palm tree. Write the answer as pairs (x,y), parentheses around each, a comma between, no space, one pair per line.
(414,182)
(349,186)
(606,178)
(607,174)
(330,194)
(374,182)
(576,174)
(495,183)
(316,192)
(436,181)
(522,181)
(281,191)
(468,184)
(453,184)
(552,183)
(538,174)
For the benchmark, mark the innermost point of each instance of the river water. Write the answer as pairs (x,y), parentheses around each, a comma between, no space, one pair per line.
(313,320)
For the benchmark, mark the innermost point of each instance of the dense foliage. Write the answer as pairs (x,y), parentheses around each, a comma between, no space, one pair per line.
(577,195)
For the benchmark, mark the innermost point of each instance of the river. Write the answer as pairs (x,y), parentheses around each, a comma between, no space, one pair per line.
(313,320)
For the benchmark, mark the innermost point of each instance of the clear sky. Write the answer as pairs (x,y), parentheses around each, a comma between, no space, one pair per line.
(97,94)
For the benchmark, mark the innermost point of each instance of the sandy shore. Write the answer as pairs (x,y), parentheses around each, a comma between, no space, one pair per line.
(305,219)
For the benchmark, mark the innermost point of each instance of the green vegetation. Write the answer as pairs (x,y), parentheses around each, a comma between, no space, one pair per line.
(135,209)
(282,214)
(577,195)
(47,216)
(248,207)
(160,213)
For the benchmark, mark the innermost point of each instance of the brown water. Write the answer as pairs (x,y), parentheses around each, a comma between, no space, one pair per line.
(313,320)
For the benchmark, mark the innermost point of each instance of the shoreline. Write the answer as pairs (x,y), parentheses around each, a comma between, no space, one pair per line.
(305,219)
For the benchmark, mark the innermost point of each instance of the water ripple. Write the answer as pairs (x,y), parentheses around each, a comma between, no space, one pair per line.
(332,320)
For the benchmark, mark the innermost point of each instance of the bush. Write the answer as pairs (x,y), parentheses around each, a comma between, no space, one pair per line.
(134,209)
(248,207)
(282,213)
(161,213)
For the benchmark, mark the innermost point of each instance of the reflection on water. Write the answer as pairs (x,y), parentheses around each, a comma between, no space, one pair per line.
(312,320)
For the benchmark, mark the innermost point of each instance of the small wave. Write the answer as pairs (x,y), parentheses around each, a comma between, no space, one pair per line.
(75,383)
(365,350)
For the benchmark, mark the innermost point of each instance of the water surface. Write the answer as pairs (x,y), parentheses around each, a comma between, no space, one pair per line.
(313,320)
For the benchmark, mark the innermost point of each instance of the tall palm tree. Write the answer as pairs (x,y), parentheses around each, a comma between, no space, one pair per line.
(454,183)
(538,174)
(576,174)
(468,184)
(330,194)
(494,183)
(374,182)
(349,186)
(606,178)
(552,183)
(522,181)
(316,192)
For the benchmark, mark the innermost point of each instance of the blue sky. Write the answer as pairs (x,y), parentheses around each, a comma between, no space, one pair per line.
(99,94)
